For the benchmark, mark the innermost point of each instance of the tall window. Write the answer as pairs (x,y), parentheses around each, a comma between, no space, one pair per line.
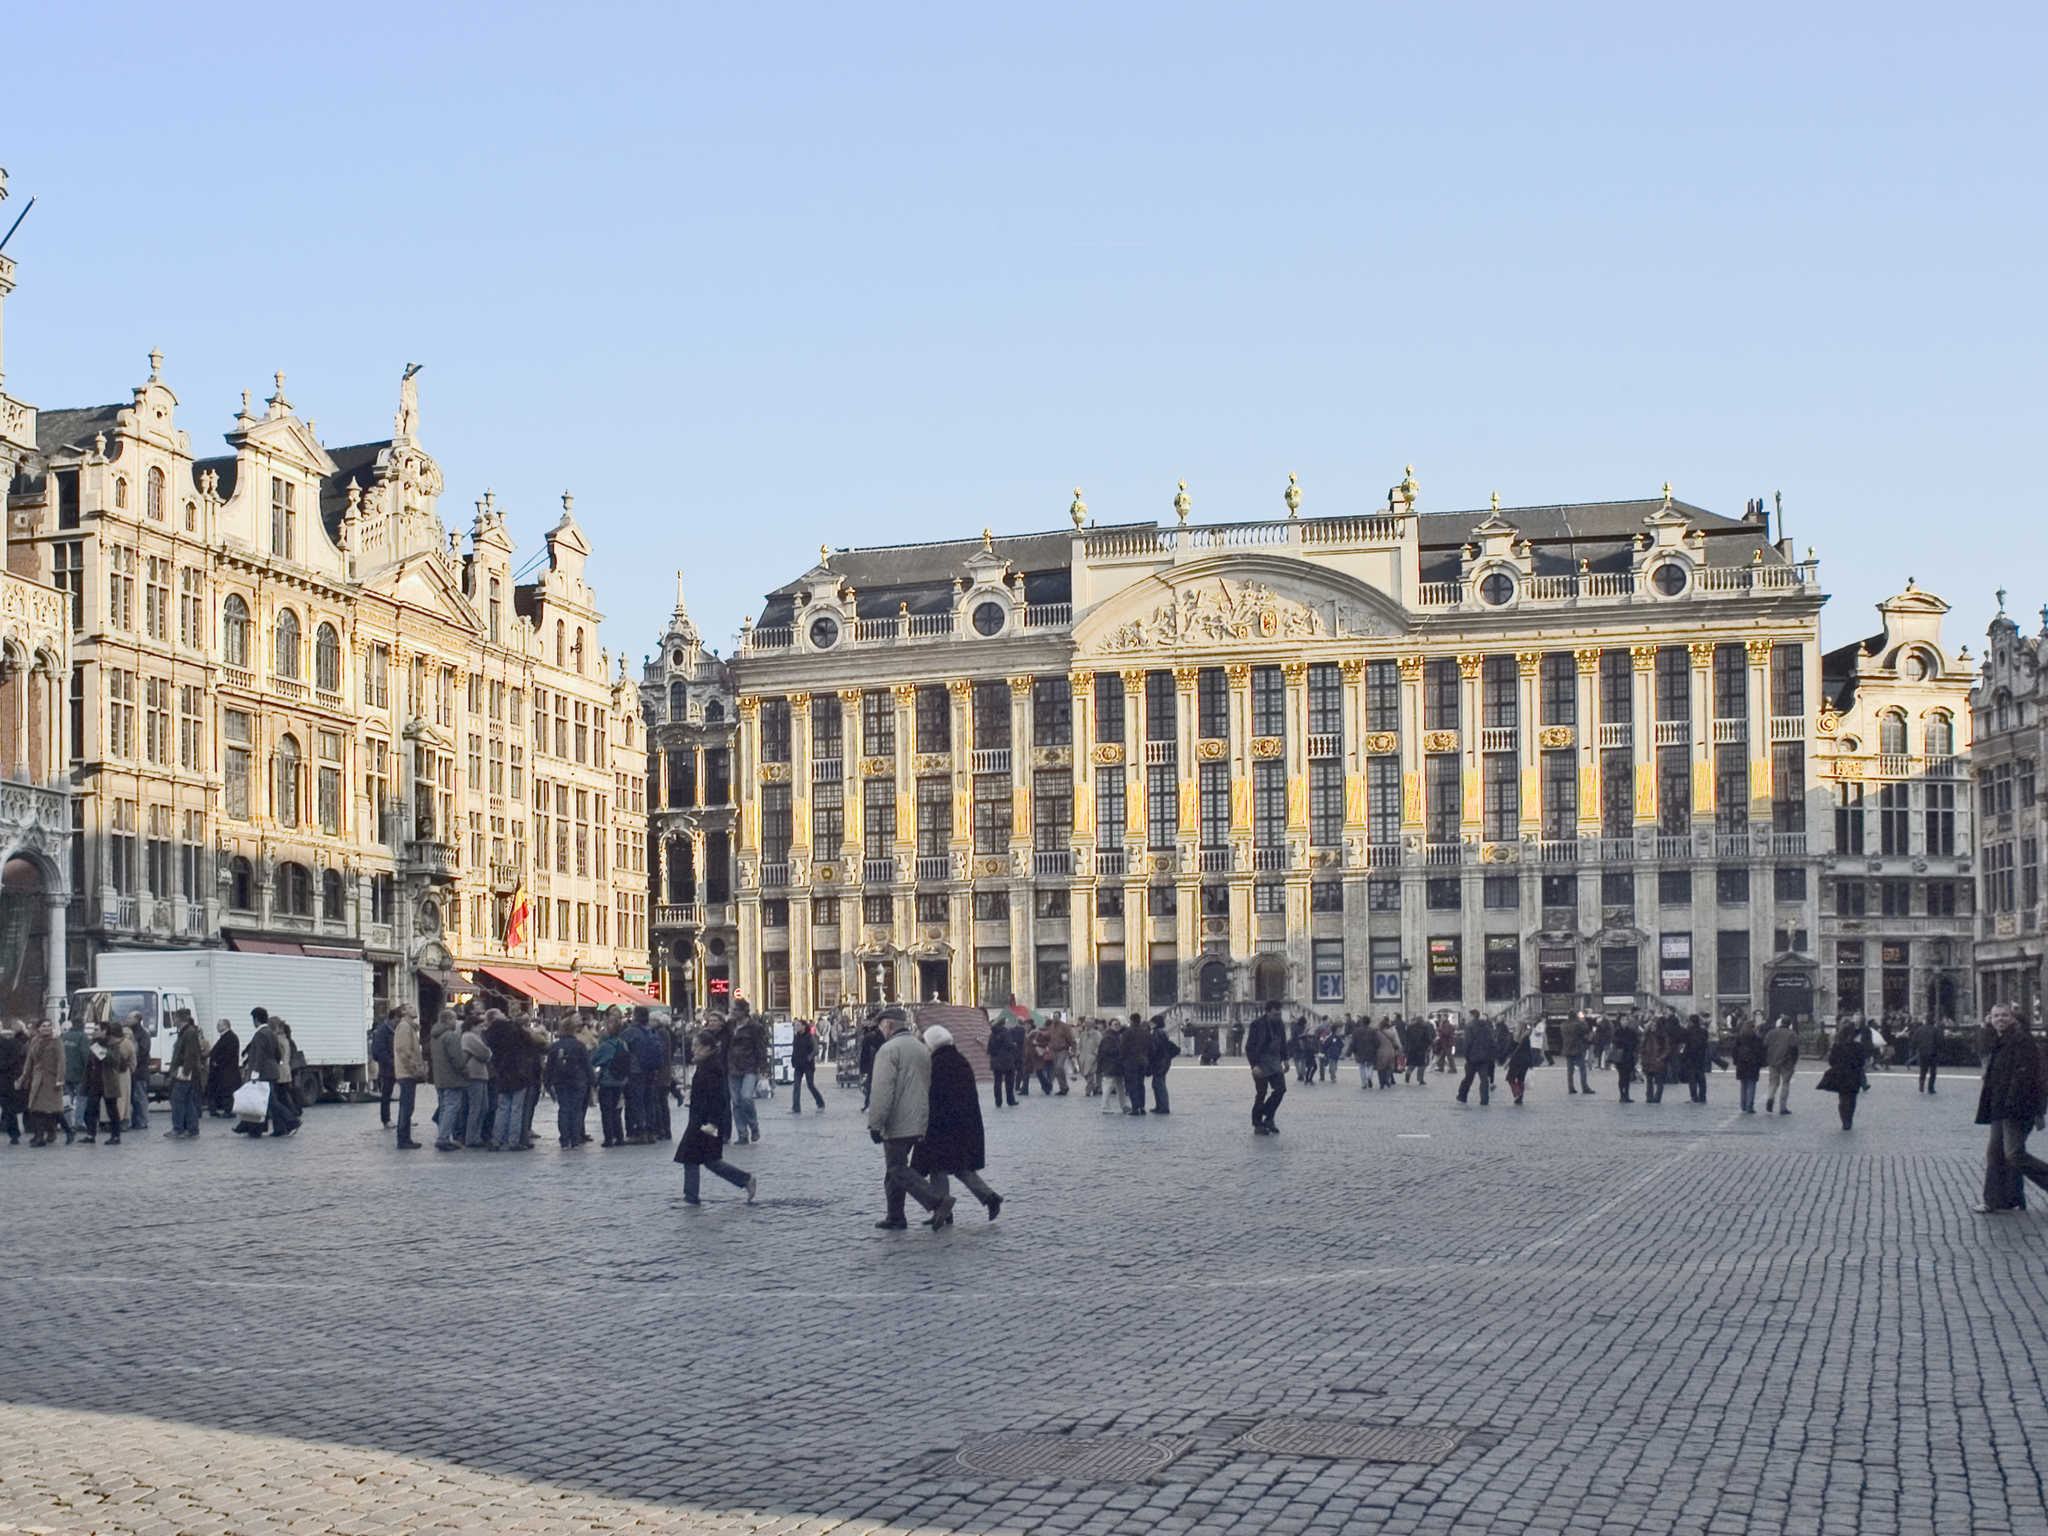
(1617,688)
(1502,784)
(1212,704)
(1109,707)
(120,588)
(1326,802)
(1383,799)
(1325,700)
(327,798)
(934,719)
(285,781)
(1440,694)
(287,644)
(1269,803)
(992,813)
(327,659)
(1788,787)
(1674,683)
(1214,795)
(1162,806)
(1382,696)
(1052,711)
(1111,812)
(828,817)
(1560,795)
(1269,702)
(153,501)
(828,727)
(1731,683)
(1674,790)
(934,817)
(1941,818)
(1159,706)
(1499,706)
(156,721)
(1731,787)
(991,714)
(1893,816)
(156,598)
(774,729)
(1441,792)
(1617,792)
(775,823)
(878,723)
(234,631)
(1052,809)
(1848,818)
(1558,680)
(191,726)
(878,817)
(1891,732)
(120,713)
(1938,736)
(377,677)
(67,556)
(284,518)
(1788,681)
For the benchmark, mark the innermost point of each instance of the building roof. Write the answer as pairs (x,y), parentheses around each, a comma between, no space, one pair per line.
(72,429)
(354,463)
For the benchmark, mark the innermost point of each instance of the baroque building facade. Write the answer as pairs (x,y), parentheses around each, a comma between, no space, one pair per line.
(303,717)
(1898,891)
(2010,731)
(1539,758)
(687,700)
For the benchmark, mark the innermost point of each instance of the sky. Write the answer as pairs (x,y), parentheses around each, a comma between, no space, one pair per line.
(749,279)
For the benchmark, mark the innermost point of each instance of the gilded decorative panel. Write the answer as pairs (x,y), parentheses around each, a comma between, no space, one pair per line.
(1381,743)
(926,763)
(775,773)
(1439,741)
(1211,751)
(877,767)
(1551,737)
(1268,746)
(1108,753)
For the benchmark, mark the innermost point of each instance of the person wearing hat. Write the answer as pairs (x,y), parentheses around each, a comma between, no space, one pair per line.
(899,1109)
(953,1145)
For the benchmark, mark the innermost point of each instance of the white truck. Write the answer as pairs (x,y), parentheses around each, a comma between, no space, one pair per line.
(325,1000)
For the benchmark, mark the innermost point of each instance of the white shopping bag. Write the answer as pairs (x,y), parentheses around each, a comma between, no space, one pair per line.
(252,1103)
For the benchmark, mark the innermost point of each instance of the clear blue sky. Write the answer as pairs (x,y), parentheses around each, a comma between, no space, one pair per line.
(749,278)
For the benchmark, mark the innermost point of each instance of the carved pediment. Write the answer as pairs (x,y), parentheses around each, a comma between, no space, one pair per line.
(1235,603)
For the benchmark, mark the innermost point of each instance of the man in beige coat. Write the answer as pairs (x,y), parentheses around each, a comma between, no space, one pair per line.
(117,1061)
(409,1068)
(899,1106)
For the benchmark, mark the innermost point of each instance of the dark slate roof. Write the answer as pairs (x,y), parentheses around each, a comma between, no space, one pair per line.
(355,463)
(225,467)
(921,575)
(72,429)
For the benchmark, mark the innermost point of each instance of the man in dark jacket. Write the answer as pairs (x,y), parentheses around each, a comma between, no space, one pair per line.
(611,1063)
(138,1082)
(1137,1062)
(1482,1044)
(1265,1047)
(2010,1102)
(1926,1041)
(1697,1046)
(1005,1056)
(1622,1040)
(703,1143)
(746,1058)
(953,1144)
(1415,1039)
(1749,1054)
(871,1042)
(387,1068)
(635,1038)
(566,1073)
(223,1071)
(1576,1037)
(185,1069)
(1109,1066)
(1163,1050)
(511,1077)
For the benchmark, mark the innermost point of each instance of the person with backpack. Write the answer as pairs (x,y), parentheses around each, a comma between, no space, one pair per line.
(382,1035)
(1005,1059)
(612,1062)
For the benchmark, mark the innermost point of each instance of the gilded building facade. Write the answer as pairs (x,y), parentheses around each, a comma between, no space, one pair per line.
(303,715)
(1898,892)
(1530,759)
(2010,735)
(687,699)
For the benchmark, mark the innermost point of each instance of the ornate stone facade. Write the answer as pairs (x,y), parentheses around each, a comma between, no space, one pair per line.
(1533,759)
(2009,735)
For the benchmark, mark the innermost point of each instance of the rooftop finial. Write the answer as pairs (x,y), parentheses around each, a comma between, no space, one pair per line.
(156,365)
(824,554)
(277,402)
(1496,501)
(1183,503)
(2000,595)
(1292,495)
(1667,493)
(1079,510)
(568,505)
(988,541)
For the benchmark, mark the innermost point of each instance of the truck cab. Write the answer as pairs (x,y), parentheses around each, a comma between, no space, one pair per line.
(94,1006)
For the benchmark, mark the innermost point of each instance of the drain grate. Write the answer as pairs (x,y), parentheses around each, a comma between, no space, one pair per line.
(1075,1458)
(1351,1442)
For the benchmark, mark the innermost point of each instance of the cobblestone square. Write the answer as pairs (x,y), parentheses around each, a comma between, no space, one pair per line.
(1648,1318)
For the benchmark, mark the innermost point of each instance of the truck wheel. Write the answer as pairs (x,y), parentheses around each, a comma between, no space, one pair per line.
(310,1087)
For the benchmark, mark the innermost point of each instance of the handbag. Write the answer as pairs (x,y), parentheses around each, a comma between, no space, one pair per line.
(252,1102)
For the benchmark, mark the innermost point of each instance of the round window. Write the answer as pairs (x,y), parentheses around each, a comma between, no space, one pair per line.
(1496,587)
(677,658)
(716,946)
(1668,579)
(824,633)
(1916,666)
(988,618)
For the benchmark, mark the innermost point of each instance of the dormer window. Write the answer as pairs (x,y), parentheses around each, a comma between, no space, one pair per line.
(1496,588)
(988,618)
(561,644)
(284,518)
(496,608)
(1668,579)
(154,495)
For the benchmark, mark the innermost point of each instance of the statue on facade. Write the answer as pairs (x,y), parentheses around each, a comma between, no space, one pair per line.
(408,401)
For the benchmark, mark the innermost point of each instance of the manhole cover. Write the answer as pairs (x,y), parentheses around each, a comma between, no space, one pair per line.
(1090,1459)
(1351,1442)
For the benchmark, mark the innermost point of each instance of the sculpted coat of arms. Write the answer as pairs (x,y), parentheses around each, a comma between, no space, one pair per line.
(1218,613)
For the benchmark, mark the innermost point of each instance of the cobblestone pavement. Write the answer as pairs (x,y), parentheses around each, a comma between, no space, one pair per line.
(1636,1318)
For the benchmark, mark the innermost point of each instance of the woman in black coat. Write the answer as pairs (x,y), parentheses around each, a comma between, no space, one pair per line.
(703,1144)
(953,1144)
(1844,1076)
(1520,1059)
(2011,1101)
(1748,1052)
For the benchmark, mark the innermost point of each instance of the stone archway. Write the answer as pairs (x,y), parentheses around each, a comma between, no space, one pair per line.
(1269,979)
(24,938)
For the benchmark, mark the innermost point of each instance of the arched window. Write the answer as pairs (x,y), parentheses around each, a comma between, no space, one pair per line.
(241,886)
(327,659)
(1940,735)
(294,890)
(330,896)
(120,491)
(234,631)
(1891,733)
(714,712)
(287,643)
(576,650)
(285,781)
(155,495)
(561,645)
(191,517)
(678,701)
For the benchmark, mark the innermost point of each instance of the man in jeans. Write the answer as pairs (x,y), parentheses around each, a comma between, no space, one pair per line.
(409,1066)
(1481,1046)
(476,1070)
(1266,1049)
(187,1067)
(511,1075)
(746,1059)
(1575,1055)
(451,1082)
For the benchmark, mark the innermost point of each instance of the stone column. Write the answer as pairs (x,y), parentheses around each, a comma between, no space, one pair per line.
(1587,729)
(1701,655)
(1020,766)
(1643,736)
(852,787)
(56,985)
(1081,895)
(1758,726)
(1470,668)
(1411,746)
(1295,675)
(801,747)
(1528,719)
(960,929)
(1353,669)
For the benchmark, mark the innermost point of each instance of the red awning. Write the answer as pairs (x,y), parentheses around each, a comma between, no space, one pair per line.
(538,985)
(599,989)
(247,945)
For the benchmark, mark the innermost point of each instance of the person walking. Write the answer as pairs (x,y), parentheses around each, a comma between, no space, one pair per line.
(1364,1046)
(1575,1043)
(899,1110)
(1388,1048)
(116,1049)
(661,1071)
(870,1043)
(612,1064)
(1697,1047)
(186,1071)
(476,1068)
(1750,1054)
(1656,1057)
(746,1058)
(1415,1041)
(383,1059)
(634,1037)
(408,1068)
(1926,1042)
(1005,1056)
(803,1067)
(1521,1057)
(704,1138)
(451,1082)
(1480,1046)
(2010,1102)
(1137,1062)
(1623,1041)
(1781,1056)
(1845,1076)
(39,1083)
(1265,1048)
(223,1070)
(1088,1056)
(567,1074)
(81,1104)
(1161,1053)
(953,1146)
(1059,1045)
